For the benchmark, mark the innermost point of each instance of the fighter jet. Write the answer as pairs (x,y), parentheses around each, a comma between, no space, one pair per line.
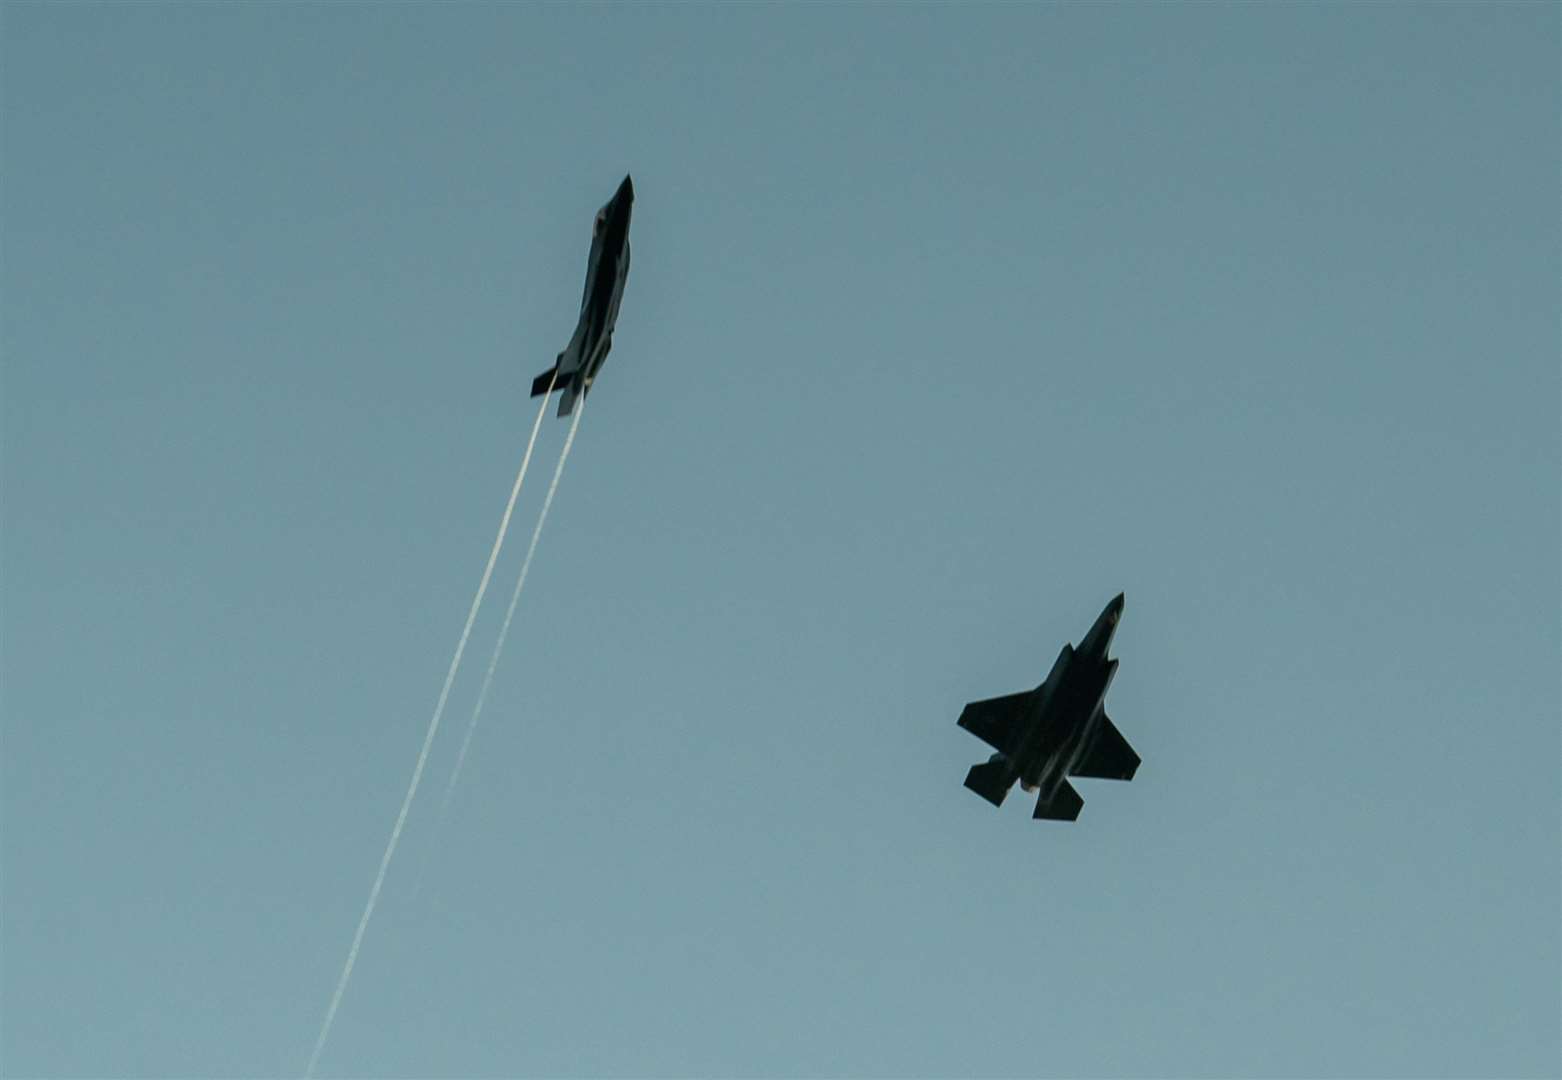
(606,270)
(1060,729)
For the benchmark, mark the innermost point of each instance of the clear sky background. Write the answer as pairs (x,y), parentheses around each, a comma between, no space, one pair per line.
(944,326)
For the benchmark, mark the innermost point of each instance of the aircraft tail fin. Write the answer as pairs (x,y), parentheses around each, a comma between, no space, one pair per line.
(991,779)
(1064,805)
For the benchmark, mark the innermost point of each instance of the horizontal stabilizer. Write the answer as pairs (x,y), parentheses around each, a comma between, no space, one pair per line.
(1109,756)
(542,382)
(991,780)
(1064,805)
(567,399)
(994,721)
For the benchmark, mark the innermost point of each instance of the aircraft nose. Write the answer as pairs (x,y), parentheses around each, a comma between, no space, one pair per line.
(626,190)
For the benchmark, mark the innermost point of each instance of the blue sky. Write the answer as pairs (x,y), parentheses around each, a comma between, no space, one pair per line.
(945,324)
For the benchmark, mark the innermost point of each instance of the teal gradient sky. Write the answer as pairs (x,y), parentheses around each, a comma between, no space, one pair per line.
(945,324)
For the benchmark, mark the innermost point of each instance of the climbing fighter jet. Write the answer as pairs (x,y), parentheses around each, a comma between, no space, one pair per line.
(606,270)
(1060,729)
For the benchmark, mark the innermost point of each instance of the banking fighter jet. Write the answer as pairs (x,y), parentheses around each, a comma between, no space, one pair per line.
(1060,729)
(606,270)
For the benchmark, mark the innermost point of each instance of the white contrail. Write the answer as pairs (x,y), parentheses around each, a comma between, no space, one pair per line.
(428,740)
(520,583)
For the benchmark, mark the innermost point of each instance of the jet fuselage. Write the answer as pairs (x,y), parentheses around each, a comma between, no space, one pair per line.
(1066,709)
(607,270)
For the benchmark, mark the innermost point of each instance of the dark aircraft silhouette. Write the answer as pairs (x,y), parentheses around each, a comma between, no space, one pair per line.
(1060,729)
(606,270)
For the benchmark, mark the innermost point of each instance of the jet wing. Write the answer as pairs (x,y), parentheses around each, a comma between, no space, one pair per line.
(592,260)
(1109,757)
(995,720)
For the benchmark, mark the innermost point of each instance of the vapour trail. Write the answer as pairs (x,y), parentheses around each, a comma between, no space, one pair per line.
(428,740)
(520,583)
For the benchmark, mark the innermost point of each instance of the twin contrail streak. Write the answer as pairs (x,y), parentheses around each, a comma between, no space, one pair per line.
(520,583)
(428,738)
